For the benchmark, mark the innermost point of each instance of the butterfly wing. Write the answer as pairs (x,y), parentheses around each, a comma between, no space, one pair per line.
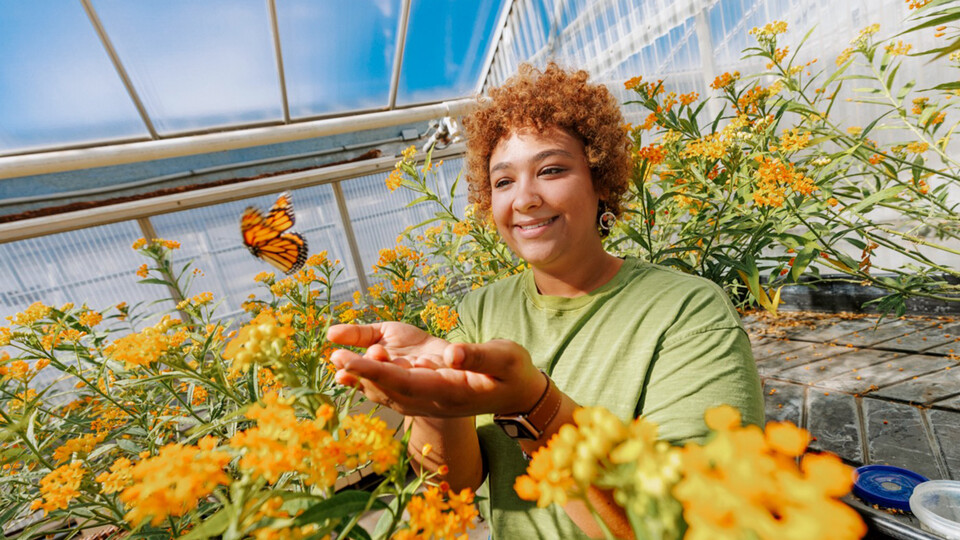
(253,229)
(286,252)
(281,216)
(264,235)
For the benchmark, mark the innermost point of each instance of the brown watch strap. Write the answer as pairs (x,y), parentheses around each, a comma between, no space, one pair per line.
(546,408)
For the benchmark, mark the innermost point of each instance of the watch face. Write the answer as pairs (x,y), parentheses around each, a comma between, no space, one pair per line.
(517,428)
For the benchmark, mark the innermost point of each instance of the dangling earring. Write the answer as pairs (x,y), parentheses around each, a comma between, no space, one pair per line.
(607,218)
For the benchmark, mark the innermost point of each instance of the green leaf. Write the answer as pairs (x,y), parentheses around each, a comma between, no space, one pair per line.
(880,196)
(905,90)
(210,527)
(804,257)
(343,504)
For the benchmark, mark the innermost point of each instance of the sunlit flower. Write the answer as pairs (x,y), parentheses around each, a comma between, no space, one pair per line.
(899,48)
(438,513)
(632,83)
(119,477)
(59,487)
(172,482)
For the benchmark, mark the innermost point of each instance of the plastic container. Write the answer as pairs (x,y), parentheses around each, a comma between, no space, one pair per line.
(886,485)
(937,505)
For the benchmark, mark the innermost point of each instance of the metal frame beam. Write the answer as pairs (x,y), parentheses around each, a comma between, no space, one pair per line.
(58,223)
(278,54)
(118,65)
(103,156)
(398,52)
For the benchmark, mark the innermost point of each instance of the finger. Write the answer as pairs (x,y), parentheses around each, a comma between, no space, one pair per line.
(377,352)
(340,357)
(497,358)
(358,335)
(428,361)
(345,378)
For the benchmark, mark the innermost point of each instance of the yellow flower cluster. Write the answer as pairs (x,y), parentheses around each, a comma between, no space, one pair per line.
(90,318)
(198,300)
(601,449)
(118,478)
(32,314)
(792,140)
(169,244)
(263,341)
(173,482)
(59,487)
(146,347)
(746,481)
(82,445)
(433,515)
(899,48)
(769,31)
(395,178)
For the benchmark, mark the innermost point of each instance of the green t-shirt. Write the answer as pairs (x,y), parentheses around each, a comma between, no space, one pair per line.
(651,341)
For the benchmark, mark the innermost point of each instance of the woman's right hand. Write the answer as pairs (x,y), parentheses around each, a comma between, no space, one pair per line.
(416,374)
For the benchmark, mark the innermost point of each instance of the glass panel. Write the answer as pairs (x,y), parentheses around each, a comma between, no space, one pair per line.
(210,236)
(446,45)
(57,85)
(197,65)
(337,56)
(379,216)
(95,266)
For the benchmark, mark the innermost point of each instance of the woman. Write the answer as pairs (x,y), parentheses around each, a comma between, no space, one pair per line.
(548,159)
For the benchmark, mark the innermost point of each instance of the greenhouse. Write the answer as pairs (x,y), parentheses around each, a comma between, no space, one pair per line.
(495,269)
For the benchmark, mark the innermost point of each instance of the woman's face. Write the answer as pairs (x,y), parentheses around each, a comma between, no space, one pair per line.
(542,198)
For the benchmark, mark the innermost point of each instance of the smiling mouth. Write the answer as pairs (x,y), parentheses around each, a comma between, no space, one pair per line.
(537,225)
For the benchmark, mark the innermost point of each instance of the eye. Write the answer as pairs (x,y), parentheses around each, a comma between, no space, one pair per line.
(501,182)
(552,170)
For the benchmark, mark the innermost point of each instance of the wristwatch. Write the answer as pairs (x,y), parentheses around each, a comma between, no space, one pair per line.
(530,425)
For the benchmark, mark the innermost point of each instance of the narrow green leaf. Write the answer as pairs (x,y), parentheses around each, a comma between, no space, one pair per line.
(879,196)
(210,527)
(343,504)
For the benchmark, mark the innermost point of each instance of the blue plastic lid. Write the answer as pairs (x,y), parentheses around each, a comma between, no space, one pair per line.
(886,486)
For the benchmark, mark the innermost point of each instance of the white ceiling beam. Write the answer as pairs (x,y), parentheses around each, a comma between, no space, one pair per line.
(118,154)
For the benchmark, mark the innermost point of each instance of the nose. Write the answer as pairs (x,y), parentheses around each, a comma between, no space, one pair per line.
(527,195)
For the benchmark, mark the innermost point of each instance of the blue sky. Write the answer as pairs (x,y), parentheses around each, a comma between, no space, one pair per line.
(200,65)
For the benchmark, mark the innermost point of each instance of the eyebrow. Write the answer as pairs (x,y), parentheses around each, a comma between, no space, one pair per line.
(537,158)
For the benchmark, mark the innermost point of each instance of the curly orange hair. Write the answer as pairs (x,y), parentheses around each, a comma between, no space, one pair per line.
(559,98)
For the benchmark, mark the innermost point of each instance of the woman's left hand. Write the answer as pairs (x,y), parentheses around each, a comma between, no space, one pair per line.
(470,379)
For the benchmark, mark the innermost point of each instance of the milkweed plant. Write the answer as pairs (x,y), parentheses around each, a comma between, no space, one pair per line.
(775,189)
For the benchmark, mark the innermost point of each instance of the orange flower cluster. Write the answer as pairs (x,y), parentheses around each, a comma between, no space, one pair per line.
(435,516)
(173,482)
(773,177)
(283,443)
(725,80)
(653,153)
(142,242)
(440,319)
(746,481)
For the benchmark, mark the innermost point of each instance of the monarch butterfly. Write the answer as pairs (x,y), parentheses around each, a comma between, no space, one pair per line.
(264,235)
